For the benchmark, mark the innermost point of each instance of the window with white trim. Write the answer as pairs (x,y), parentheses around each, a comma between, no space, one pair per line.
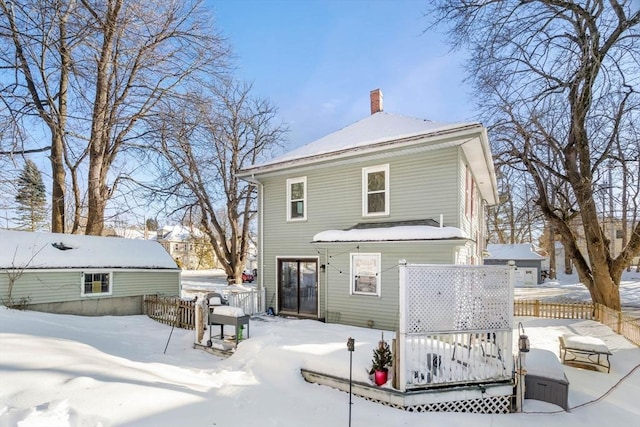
(96,283)
(470,193)
(365,274)
(375,190)
(297,199)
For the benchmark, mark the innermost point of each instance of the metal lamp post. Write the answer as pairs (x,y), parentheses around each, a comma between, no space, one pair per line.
(351,343)
(523,347)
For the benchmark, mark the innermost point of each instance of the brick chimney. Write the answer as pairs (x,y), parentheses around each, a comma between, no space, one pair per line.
(376,101)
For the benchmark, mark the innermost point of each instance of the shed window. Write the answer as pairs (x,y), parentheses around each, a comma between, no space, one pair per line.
(96,284)
(365,274)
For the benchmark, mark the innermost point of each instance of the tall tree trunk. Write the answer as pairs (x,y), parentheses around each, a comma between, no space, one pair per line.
(598,277)
(100,125)
(97,197)
(552,251)
(58,184)
(568,263)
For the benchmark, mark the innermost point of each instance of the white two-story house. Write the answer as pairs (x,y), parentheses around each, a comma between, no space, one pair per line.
(337,215)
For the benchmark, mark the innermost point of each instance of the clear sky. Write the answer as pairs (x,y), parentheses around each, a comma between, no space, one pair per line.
(317,61)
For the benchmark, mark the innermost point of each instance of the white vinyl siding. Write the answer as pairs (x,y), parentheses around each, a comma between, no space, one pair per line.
(297,199)
(426,185)
(375,191)
(42,286)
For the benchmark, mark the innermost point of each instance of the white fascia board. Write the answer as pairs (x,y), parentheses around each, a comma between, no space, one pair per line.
(381,150)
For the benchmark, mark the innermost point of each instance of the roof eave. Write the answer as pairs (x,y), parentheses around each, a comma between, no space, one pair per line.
(462,131)
(446,239)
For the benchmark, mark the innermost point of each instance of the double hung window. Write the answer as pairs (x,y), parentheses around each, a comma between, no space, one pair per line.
(375,191)
(297,199)
(365,274)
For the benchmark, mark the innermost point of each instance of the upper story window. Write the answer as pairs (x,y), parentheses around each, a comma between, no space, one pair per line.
(97,283)
(375,190)
(470,195)
(297,199)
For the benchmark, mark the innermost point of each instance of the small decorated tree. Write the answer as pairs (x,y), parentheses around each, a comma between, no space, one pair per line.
(382,357)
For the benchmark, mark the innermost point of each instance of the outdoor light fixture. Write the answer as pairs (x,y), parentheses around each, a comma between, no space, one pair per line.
(523,347)
(351,346)
(523,342)
(323,267)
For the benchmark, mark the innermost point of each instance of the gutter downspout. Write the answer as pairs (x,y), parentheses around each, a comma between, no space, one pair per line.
(263,306)
(260,282)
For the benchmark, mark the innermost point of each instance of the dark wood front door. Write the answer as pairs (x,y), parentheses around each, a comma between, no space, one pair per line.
(298,286)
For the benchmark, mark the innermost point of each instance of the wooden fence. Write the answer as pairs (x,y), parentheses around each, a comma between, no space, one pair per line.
(174,311)
(551,310)
(170,310)
(621,323)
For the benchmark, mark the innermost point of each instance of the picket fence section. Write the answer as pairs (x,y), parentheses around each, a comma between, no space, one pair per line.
(621,323)
(170,310)
(548,310)
(180,313)
(174,311)
(624,324)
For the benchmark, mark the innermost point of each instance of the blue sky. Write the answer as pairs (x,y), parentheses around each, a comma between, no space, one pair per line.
(317,61)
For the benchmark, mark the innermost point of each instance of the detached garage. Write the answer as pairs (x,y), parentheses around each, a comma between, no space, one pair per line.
(528,263)
(83,275)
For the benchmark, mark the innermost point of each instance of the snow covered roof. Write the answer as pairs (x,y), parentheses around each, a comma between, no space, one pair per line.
(23,249)
(522,251)
(390,232)
(178,233)
(377,128)
(381,131)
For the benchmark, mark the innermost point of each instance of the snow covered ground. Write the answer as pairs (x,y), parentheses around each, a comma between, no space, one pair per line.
(59,370)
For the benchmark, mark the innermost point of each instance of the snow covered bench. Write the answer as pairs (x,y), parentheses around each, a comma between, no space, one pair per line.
(545,379)
(584,350)
(225,315)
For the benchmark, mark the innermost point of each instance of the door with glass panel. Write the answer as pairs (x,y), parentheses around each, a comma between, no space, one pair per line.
(298,286)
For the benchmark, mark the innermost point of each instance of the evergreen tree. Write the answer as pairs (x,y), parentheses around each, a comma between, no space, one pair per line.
(31,199)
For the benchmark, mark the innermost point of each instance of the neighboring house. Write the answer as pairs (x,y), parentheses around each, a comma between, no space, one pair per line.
(337,215)
(613,230)
(84,275)
(188,246)
(528,262)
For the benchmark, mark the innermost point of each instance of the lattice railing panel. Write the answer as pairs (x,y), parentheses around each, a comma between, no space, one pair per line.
(455,325)
(456,298)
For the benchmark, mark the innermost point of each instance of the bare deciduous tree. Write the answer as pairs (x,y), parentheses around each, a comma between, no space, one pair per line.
(94,72)
(559,80)
(204,144)
(35,54)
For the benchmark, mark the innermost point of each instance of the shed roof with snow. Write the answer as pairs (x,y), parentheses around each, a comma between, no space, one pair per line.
(39,250)
(516,252)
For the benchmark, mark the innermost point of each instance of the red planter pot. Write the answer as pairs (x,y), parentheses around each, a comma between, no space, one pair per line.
(381,377)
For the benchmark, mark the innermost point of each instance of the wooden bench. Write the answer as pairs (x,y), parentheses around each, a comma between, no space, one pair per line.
(584,350)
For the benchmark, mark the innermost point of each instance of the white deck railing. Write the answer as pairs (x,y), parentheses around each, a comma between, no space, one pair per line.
(455,325)
(249,301)
(456,358)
